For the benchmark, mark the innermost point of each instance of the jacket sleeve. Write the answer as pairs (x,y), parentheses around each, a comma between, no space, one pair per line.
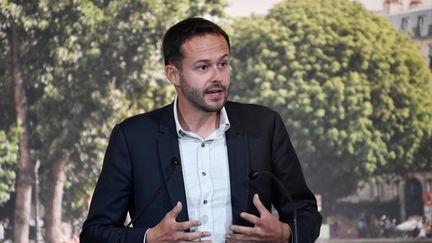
(286,167)
(111,198)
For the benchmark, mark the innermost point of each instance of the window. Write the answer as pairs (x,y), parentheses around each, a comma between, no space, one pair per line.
(373,191)
(404,24)
(430,62)
(396,188)
(418,29)
(380,190)
(429,183)
(377,191)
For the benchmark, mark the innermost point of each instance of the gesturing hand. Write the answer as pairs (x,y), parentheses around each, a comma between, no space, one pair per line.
(267,227)
(169,230)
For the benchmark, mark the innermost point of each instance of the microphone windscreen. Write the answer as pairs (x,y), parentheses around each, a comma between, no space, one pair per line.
(175,162)
(253,175)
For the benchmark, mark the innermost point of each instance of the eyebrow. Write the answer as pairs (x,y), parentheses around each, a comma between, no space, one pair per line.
(207,60)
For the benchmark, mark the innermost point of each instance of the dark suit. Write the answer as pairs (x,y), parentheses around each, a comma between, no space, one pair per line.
(138,158)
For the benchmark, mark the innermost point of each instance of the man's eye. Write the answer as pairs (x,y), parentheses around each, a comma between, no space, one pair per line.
(202,67)
(224,63)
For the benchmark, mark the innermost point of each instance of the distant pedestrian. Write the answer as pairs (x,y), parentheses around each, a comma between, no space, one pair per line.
(387,227)
(5,229)
(374,226)
(421,228)
(2,232)
(361,225)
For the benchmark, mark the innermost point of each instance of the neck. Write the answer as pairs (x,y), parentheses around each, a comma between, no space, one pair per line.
(199,122)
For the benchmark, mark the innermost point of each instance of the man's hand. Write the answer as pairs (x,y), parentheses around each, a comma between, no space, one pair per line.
(267,227)
(169,230)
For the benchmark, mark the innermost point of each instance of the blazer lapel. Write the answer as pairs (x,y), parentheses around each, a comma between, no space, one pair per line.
(238,157)
(168,150)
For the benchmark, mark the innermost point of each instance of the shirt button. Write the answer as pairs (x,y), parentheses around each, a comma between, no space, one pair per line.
(205,201)
(203,144)
(203,173)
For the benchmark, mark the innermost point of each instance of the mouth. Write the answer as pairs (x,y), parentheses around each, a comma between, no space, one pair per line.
(215,89)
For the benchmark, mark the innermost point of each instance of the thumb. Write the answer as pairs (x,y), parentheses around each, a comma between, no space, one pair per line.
(175,211)
(258,204)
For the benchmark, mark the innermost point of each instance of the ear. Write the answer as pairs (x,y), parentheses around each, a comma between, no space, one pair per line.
(173,74)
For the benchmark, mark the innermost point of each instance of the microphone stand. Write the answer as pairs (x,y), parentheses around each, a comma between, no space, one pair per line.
(254,174)
(174,164)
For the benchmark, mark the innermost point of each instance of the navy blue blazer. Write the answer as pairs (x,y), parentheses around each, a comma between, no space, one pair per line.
(138,159)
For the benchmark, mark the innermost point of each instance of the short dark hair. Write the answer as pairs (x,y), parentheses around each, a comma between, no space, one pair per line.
(183,31)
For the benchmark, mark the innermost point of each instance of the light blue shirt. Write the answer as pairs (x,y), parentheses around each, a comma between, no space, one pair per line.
(206,177)
(204,164)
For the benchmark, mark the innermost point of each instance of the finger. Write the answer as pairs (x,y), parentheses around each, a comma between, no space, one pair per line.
(175,211)
(190,236)
(258,204)
(251,218)
(202,241)
(187,225)
(240,237)
(243,229)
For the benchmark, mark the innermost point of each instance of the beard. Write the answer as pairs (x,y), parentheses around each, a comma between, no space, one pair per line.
(196,96)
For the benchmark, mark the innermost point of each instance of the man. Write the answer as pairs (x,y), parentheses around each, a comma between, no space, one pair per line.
(210,196)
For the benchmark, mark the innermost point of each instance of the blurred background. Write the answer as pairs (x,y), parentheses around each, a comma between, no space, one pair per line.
(351,79)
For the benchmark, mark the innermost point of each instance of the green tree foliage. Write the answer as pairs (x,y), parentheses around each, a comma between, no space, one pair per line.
(8,137)
(88,64)
(8,158)
(126,37)
(353,91)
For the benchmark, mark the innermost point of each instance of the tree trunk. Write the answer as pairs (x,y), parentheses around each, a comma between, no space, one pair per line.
(25,165)
(53,216)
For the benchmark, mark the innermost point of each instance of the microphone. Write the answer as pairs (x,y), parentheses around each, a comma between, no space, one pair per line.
(175,162)
(255,174)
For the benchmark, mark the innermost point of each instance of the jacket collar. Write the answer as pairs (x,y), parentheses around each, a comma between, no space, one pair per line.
(169,151)
(238,156)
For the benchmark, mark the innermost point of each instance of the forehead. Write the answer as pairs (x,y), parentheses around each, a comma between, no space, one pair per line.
(205,46)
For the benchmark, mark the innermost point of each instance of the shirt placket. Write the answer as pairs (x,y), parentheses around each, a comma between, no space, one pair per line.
(206,196)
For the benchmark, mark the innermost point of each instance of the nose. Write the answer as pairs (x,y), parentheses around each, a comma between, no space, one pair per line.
(217,75)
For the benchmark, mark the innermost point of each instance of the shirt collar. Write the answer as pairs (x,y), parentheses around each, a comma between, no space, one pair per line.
(224,123)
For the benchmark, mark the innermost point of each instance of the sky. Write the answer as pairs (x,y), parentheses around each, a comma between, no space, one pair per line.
(246,7)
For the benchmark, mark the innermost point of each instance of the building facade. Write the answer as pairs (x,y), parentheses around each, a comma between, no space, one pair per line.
(411,195)
(399,197)
(415,19)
